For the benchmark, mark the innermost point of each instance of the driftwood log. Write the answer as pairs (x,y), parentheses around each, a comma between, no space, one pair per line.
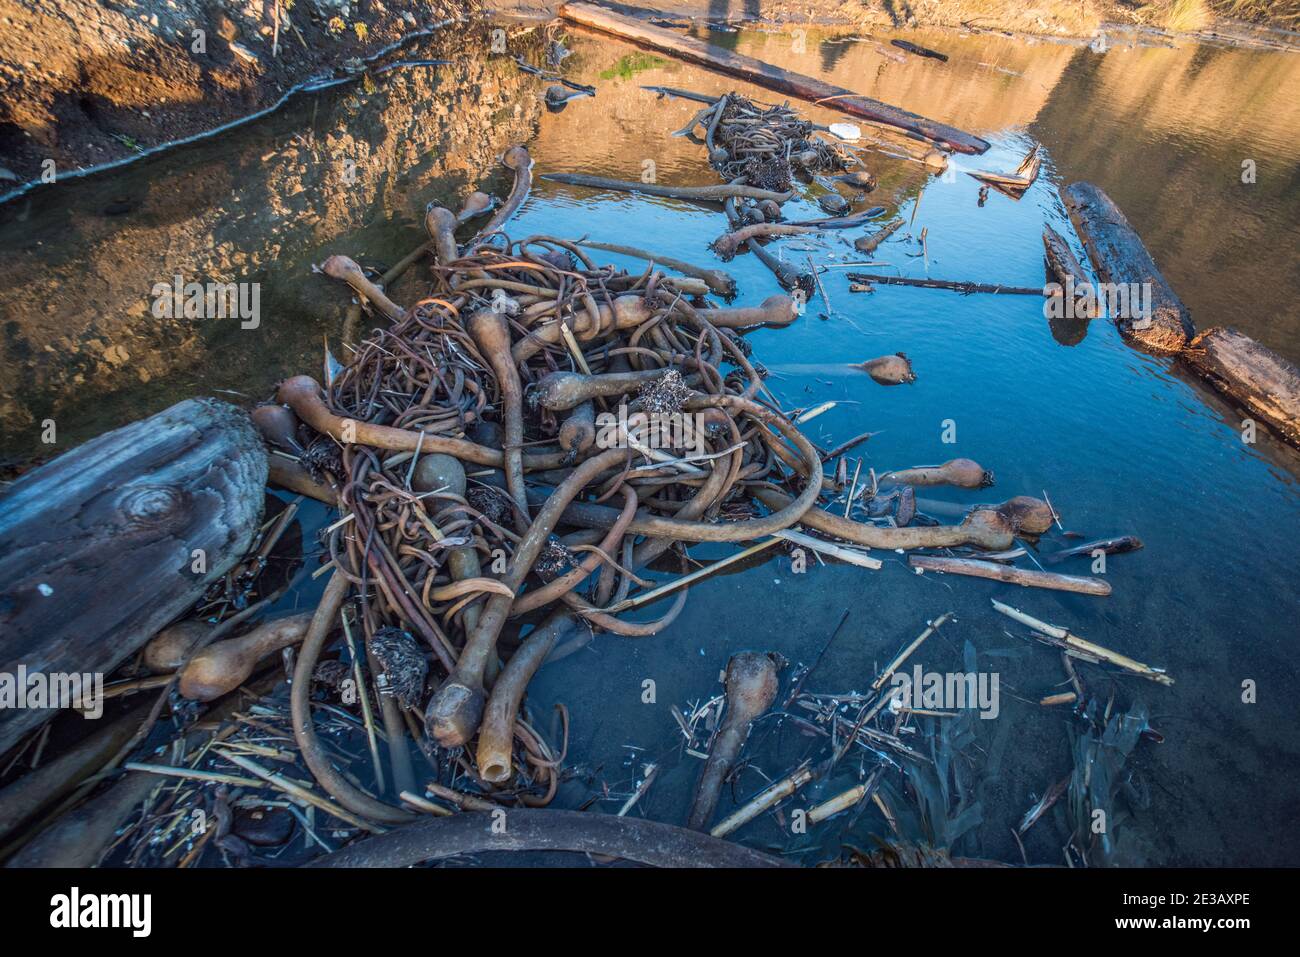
(956,285)
(106,544)
(769,76)
(1120,258)
(1264,383)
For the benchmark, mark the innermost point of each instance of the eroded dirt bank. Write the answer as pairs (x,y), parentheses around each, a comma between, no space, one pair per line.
(256,206)
(83,82)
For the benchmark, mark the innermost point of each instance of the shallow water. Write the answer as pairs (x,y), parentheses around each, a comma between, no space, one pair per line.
(1120,443)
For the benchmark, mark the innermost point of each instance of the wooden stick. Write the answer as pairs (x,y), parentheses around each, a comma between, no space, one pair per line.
(421,804)
(194,774)
(1065,697)
(677,583)
(651,772)
(1014,576)
(767,798)
(906,653)
(918,50)
(955,285)
(767,75)
(1081,647)
(843,553)
(293,788)
(844,800)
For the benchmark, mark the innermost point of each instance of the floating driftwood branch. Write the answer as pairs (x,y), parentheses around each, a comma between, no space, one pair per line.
(917,50)
(1080,647)
(1013,184)
(1014,576)
(955,285)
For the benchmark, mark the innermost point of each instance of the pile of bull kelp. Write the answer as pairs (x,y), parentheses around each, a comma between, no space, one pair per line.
(518,461)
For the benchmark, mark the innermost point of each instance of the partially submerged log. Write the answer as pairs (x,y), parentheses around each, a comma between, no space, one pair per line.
(106,544)
(1266,385)
(1122,261)
(769,76)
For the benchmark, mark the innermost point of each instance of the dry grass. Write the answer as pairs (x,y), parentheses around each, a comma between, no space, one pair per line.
(1184,16)
(1279,13)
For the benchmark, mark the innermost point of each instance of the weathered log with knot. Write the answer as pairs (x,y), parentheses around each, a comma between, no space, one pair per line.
(106,544)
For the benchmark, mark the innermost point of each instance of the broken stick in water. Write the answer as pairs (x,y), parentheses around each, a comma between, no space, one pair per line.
(1014,576)
(1081,648)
